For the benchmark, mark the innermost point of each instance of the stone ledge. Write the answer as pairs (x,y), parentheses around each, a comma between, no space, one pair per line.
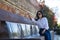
(39,38)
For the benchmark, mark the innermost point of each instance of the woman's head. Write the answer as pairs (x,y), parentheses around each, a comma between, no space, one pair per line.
(39,14)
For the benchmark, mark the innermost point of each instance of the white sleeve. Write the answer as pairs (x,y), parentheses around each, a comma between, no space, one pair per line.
(35,22)
(46,24)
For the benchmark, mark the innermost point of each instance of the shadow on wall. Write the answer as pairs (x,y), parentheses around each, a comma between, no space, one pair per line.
(3,30)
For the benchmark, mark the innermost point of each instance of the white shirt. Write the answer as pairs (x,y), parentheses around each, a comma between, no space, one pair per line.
(42,23)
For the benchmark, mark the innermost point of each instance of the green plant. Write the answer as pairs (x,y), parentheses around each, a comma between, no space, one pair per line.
(58,30)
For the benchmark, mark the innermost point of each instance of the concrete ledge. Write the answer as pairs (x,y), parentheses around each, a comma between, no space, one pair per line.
(37,38)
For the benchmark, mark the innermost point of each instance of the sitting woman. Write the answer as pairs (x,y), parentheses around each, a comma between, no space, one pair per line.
(42,24)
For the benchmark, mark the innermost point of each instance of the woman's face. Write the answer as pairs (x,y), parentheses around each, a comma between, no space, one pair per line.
(40,15)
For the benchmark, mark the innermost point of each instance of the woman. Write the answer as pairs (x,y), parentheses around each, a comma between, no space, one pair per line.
(42,24)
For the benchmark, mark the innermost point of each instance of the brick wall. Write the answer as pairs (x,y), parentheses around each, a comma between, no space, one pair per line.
(23,7)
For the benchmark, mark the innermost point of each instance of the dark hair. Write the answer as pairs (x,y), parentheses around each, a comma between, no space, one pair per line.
(37,17)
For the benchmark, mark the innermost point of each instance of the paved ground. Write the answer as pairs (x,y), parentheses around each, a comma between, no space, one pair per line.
(56,37)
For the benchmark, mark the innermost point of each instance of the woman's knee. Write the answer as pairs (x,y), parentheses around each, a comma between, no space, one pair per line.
(47,35)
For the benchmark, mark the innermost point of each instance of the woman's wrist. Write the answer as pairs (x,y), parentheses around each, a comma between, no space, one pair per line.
(43,31)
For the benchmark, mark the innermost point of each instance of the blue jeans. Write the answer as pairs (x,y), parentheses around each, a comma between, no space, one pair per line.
(46,34)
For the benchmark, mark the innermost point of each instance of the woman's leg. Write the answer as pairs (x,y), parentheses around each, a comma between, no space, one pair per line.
(47,35)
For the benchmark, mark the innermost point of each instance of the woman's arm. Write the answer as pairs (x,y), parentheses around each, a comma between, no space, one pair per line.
(45,25)
(32,19)
(43,31)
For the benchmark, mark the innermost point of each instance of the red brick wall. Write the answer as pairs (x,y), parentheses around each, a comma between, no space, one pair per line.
(7,8)
(11,9)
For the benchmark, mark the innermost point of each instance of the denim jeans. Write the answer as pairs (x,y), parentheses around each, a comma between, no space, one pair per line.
(46,34)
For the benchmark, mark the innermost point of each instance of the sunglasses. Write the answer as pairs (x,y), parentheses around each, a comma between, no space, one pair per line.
(39,14)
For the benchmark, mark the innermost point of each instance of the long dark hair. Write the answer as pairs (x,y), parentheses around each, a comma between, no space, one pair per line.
(37,17)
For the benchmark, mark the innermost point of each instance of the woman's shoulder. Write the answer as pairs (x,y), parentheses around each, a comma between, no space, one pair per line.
(44,18)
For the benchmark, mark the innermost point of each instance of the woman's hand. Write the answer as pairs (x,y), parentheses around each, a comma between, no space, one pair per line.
(30,17)
(43,31)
